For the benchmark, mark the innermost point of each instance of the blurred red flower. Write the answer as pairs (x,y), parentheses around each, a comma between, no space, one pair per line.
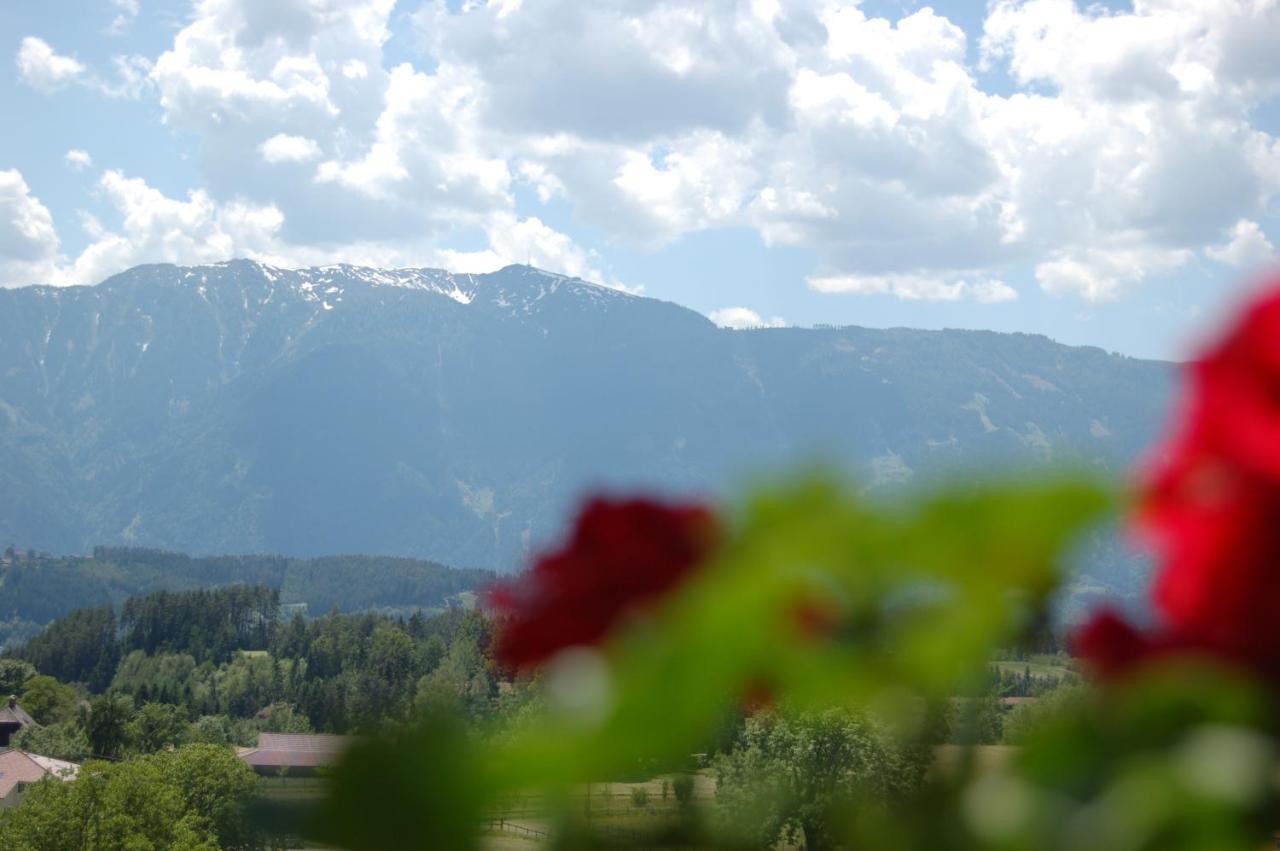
(1111,644)
(1235,407)
(1211,509)
(622,557)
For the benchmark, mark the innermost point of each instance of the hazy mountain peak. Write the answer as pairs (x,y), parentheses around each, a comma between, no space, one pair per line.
(244,407)
(517,287)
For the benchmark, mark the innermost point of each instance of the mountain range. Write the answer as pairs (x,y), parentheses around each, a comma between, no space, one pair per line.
(239,407)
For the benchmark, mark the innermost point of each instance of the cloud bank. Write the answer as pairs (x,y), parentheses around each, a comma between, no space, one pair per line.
(912,159)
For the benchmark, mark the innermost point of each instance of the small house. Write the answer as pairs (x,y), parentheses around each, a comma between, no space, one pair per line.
(19,769)
(12,719)
(294,754)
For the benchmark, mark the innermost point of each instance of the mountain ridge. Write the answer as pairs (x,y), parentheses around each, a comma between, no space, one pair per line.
(241,407)
(423,278)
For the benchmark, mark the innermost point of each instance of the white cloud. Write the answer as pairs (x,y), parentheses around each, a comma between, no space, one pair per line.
(546,184)
(744,317)
(1128,147)
(1247,247)
(126,12)
(28,241)
(149,226)
(401,161)
(243,70)
(78,159)
(424,148)
(702,184)
(40,67)
(1102,274)
(616,70)
(43,69)
(156,228)
(283,148)
(1159,49)
(910,287)
(993,292)
(916,287)
(515,240)
(132,78)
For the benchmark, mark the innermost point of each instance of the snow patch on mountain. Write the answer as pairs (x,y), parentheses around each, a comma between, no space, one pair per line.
(518,289)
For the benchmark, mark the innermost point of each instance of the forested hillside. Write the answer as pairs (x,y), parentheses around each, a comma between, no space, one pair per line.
(219,666)
(35,589)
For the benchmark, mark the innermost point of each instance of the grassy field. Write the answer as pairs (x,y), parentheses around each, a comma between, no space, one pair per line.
(523,821)
(1042,667)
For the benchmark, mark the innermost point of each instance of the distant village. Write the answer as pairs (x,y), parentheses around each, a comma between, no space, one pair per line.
(13,555)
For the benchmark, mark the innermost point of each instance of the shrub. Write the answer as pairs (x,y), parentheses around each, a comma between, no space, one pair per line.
(683,787)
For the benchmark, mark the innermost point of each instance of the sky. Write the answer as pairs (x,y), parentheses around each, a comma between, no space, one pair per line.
(1105,174)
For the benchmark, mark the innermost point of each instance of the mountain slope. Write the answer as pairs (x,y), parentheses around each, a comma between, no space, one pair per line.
(243,408)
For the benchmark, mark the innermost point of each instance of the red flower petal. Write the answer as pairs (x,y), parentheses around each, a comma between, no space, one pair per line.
(1211,508)
(1110,645)
(621,557)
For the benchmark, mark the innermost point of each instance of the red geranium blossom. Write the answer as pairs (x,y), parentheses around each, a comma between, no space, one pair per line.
(1217,529)
(1111,644)
(1235,411)
(621,557)
(1211,508)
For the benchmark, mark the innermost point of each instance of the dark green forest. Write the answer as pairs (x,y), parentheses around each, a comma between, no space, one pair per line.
(221,665)
(37,588)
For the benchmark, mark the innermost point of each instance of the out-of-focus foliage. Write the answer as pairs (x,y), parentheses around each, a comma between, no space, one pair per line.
(406,803)
(1181,758)
(861,621)
(791,777)
(1026,719)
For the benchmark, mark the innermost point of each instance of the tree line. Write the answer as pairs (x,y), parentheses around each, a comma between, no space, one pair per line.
(220,665)
(151,687)
(40,590)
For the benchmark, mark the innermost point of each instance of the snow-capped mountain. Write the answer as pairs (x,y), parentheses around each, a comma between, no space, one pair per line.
(250,287)
(241,407)
(518,288)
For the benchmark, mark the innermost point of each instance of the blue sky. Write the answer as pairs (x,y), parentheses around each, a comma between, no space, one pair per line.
(1104,175)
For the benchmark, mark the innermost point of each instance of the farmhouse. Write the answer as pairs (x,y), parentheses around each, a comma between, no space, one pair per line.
(295,754)
(19,769)
(12,719)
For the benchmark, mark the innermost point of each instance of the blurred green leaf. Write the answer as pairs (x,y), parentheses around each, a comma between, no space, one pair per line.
(819,599)
(421,789)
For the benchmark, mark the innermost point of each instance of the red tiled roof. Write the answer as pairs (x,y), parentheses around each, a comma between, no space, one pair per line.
(296,750)
(21,767)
